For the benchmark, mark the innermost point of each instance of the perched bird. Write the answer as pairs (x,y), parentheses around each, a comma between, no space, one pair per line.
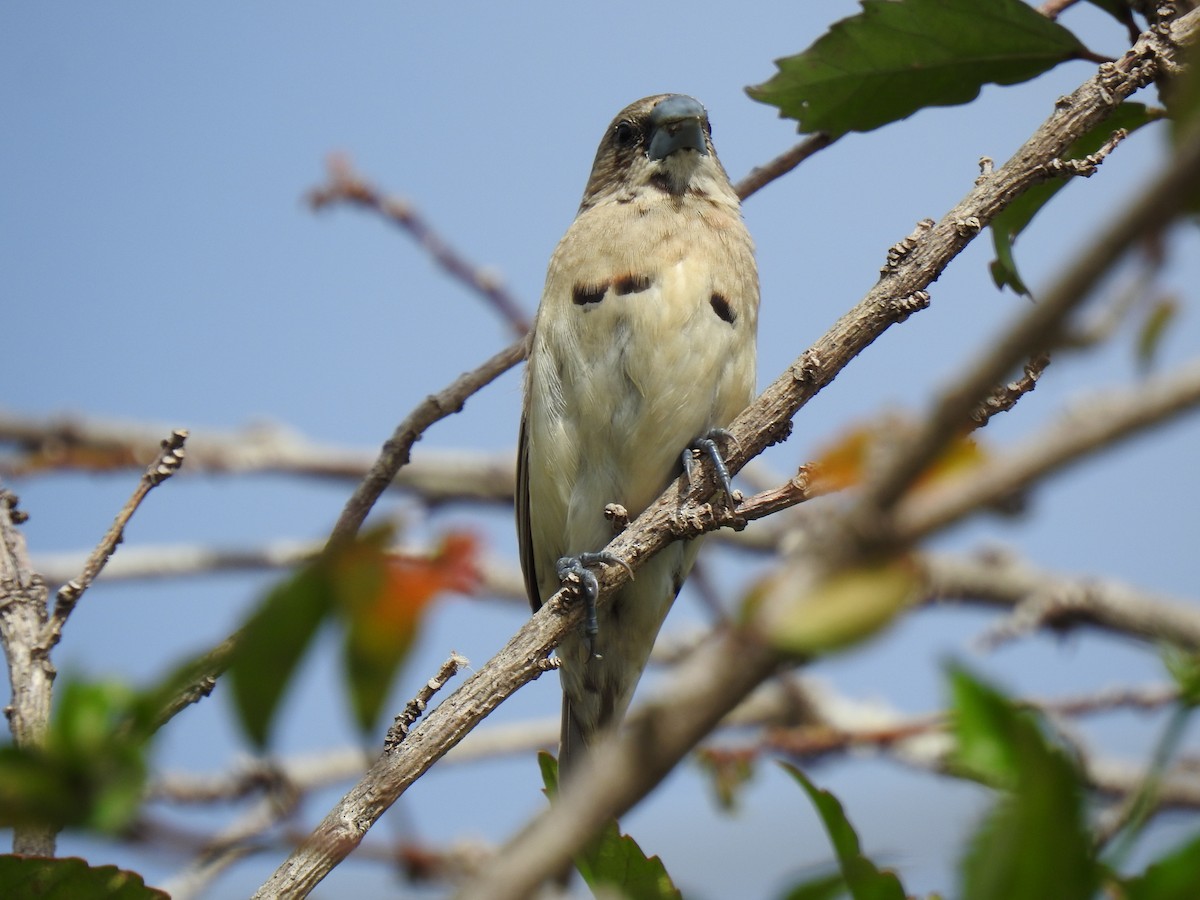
(643,347)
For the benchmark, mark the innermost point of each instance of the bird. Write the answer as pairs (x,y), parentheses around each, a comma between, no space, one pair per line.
(642,349)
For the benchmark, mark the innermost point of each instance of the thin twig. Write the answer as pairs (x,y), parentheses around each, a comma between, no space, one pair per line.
(347,186)
(760,176)
(1005,397)
(170,458)
(395,451)
(418,704)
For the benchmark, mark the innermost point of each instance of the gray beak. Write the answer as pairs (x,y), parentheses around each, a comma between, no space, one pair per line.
(677,123)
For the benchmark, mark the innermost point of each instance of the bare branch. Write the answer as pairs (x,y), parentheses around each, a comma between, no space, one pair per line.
(1097,427)
(1004,398)
(347,186)
(761,176)
(1042,599)
(395,452)
(1035,330)
(170,458)
(55,444)
(399,730)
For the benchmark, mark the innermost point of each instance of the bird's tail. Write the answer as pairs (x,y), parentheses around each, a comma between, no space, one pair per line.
(572,743)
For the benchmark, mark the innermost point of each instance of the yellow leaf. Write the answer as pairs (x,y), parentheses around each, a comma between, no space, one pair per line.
(799,617)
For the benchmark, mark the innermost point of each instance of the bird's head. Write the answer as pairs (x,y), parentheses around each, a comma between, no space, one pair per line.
(662,144)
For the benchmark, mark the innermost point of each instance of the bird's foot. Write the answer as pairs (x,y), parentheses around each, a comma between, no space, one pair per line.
(708,445)
(574,570)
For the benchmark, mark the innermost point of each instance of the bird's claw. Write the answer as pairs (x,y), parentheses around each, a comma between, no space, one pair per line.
(707,445)
(574,570)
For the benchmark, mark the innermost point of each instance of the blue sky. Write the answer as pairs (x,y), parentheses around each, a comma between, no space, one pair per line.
(158,264)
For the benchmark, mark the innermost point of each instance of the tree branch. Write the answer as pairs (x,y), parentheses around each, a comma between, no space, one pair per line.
(395,452)
(23,613)
(1042,599)
(54,444)
(347,186)
(170,458)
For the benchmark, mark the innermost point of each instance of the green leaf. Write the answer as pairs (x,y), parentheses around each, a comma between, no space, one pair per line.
(899,56)
(1184,668)
(1174,877)
(69,878)
(379,626)
(1034,843)
(842,609)
(822,887)
(613,862)
(1155,327)
(1013,219)
(985,728)
(271,645)
(1004,266)
(863,878)
(36,790)
(548,766)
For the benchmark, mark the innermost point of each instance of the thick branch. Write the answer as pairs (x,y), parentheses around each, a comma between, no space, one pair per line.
(23,614)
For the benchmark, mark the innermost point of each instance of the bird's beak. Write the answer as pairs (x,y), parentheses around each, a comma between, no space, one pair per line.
(677,123)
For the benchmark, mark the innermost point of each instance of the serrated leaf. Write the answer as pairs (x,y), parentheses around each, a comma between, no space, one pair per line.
(70,878)
(863,878)
(1034,844)
(805,619)
(271,645)
(1173,877)
(613,862)
(899,56)
(1014,218)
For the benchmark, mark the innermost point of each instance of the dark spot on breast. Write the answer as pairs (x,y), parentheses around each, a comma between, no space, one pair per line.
(663,182)
(721,307)
(677,580)
(584,294)
(631,284)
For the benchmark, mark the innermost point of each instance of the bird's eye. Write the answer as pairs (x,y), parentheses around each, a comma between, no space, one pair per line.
(625,134)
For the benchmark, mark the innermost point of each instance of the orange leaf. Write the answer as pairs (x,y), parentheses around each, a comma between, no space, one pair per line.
(842,465)
(845,463)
